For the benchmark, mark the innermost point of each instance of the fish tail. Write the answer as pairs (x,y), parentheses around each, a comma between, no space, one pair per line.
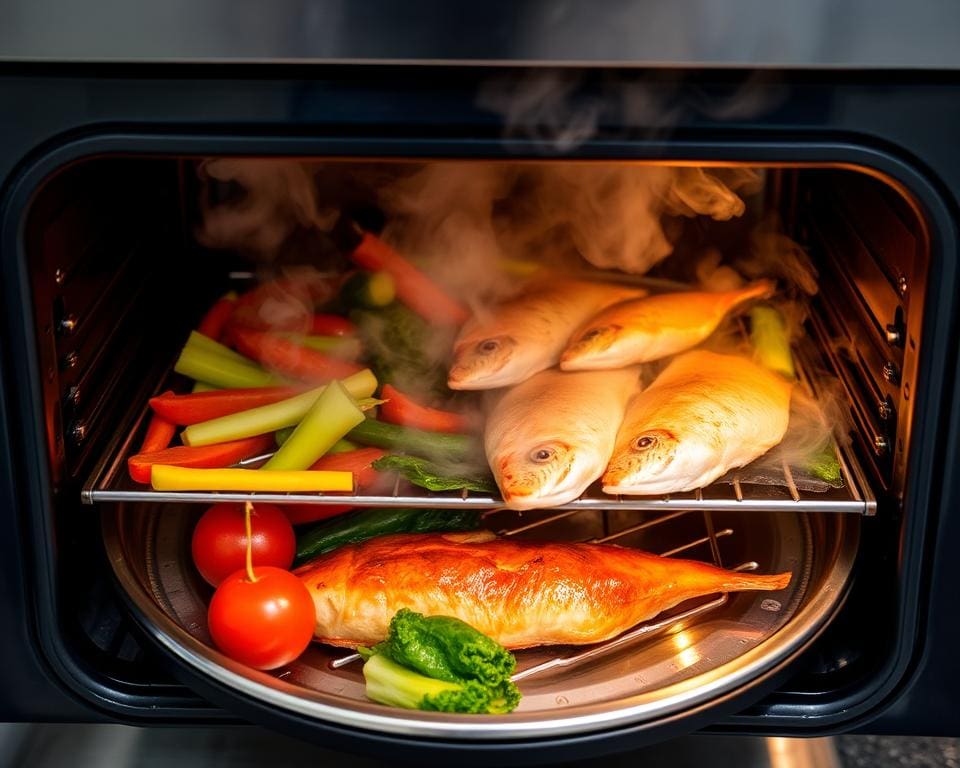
(742,582)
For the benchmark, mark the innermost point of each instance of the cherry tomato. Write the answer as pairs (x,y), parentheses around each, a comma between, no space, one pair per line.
(265,623)
(220,540)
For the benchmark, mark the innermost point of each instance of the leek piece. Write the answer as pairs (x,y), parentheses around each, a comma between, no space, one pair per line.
(219,370)
(332,415)
(439,446)
(282,435)
(270,418)
(771,342)
(199,341)
(341,446)
(345,347)
(164,477)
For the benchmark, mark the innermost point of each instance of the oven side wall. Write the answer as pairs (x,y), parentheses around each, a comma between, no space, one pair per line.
(914,116)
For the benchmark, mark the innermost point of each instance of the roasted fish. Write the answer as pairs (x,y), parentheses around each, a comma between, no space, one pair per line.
(702,416)
(514,340)
(520,593)
(550,437)
(641,330)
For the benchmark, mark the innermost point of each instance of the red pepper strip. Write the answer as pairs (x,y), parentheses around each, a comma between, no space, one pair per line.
(289,358)
(215,320)
(332,325)
(357,461)
(364,476)
(203,406)
(401,409)
(414,288)
(206,457)
(160,431)
(298,514)
(284,304)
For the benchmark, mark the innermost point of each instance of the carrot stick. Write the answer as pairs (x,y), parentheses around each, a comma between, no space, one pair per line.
(414,288)
(215,320)
(208,456)
(203,406)
(284,356)
(160,431)
(401,409)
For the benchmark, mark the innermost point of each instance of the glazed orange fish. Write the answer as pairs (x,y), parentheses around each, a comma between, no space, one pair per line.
(520,593)
(650,328)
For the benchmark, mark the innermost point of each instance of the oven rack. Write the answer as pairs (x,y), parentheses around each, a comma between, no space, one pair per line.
(110,482)
(668,622)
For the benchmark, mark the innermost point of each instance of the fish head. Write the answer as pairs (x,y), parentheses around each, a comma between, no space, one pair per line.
(550,473)
(484,363)
(592,347)
(643,461)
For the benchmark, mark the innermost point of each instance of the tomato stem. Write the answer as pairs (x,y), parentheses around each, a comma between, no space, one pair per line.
(247,513)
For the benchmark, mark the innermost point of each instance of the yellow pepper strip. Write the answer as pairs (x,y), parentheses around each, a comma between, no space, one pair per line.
(164,477)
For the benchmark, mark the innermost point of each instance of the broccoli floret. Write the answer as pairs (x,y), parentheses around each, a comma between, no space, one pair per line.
(441,664)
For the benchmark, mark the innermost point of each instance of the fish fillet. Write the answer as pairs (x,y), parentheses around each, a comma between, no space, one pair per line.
(514,340)
(645,329)
(702,416)
(520,593)
(550,437)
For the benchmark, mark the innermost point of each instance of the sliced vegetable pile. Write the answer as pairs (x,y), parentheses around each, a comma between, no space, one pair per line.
(440,664)
(280,382)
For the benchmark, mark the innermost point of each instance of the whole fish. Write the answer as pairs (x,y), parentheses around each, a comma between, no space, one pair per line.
(520,593)
(702,416)
(645,329)
(550,437)
(514,340)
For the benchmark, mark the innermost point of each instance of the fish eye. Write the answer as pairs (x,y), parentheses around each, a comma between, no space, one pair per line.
(490,345)
(644,442)
(542,455)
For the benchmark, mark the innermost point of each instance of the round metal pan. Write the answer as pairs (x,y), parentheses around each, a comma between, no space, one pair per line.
(683,666)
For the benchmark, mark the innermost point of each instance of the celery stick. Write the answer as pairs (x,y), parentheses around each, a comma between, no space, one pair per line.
(343,446)
(202,386)
(198,340)
(332,415)
(270,418)
(220,371)
(771,342)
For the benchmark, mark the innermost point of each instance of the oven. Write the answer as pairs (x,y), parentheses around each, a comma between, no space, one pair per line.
(108,261)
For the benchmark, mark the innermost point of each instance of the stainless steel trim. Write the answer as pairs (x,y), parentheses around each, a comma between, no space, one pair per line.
(658,33)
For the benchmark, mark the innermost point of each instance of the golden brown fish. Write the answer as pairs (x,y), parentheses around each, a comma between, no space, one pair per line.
(641,330)
(520,593)
(702,416)
(550,437)
(516,339)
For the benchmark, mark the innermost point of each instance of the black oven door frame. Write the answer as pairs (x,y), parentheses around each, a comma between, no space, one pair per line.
(348,112)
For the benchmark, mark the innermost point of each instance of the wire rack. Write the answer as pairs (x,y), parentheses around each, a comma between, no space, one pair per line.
(110,482)
(666,623)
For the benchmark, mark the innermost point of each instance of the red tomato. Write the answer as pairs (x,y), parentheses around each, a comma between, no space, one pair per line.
(220,540)
(265,623)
